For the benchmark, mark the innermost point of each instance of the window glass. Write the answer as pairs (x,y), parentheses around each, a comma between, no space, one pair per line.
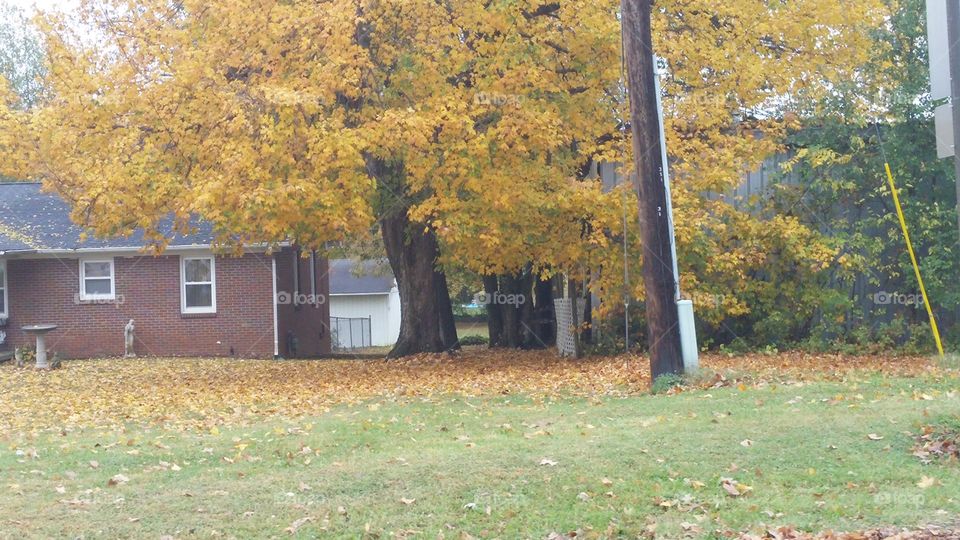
(96,269)
(198,270)
(97,286)
(96,278)
(199,290)
(199,295)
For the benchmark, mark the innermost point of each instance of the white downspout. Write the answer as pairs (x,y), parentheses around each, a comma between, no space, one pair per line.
(313,279)
(276,330)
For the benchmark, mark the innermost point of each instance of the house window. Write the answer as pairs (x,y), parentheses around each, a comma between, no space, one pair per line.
(96,279)
(3,289)
(198,285)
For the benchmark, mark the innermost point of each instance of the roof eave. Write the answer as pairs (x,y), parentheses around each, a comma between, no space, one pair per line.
(124,249)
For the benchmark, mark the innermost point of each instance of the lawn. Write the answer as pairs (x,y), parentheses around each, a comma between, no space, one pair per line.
(517,445)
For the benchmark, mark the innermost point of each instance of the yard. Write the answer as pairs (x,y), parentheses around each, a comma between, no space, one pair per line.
(508,445)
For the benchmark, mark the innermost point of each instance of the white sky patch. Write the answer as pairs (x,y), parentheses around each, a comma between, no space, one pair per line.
(32,6)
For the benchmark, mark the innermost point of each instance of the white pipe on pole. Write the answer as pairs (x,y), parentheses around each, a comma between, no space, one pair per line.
(688,329)
(666,182)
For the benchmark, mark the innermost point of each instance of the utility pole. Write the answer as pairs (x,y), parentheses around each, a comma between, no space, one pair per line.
(953,37)
(663,326)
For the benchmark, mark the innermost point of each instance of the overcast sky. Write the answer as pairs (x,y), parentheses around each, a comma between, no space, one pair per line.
(30,6)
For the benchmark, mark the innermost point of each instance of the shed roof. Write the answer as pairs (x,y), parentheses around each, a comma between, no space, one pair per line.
(364,277)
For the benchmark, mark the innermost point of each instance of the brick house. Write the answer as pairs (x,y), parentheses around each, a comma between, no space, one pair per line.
(187,302)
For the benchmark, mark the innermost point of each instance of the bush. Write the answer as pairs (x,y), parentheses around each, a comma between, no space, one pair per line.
(665,383)
(27,355)
(474,340)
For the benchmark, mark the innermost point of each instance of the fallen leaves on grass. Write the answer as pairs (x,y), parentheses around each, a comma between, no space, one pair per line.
(203,393)
(927,482)
(685,503)
(934,442)
(734,488)
(295,526)
(890,533)
(117,479)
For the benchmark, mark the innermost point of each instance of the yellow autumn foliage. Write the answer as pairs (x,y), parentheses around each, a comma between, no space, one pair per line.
(263,117)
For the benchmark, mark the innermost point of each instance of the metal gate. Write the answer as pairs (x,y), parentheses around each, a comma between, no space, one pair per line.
(350,332)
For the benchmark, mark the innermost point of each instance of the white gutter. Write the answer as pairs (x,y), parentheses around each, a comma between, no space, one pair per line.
(138,249)
(276,330)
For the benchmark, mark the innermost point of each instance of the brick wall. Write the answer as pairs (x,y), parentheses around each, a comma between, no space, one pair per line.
(45,291)
(307,323)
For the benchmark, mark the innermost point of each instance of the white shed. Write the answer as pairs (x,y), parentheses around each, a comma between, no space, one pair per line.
(364,304)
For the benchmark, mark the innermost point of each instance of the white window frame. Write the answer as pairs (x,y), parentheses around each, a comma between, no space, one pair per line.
(4,308)
(212,308)
(83,281)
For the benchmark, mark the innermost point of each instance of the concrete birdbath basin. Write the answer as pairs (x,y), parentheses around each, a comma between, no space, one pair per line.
(40,330)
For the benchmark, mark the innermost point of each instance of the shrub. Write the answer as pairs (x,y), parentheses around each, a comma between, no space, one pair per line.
(474,340)
(665,383)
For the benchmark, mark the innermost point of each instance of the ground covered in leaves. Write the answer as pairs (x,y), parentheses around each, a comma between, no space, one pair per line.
(202,393)
(484,444)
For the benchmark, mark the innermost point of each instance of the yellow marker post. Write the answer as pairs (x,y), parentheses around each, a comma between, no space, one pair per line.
(913,259)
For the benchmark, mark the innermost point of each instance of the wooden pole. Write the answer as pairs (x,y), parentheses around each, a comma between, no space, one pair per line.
(953,37)
(663,325)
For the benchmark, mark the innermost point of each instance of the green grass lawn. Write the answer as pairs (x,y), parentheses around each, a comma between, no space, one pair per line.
(503,466)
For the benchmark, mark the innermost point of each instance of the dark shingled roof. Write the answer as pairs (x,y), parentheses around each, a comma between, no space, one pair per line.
(367,277)
(31,220)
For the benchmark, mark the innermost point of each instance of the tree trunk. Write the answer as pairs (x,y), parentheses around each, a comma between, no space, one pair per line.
(519,310)
(426,314)
(663,327)
(544,321)
(512,320)
(448,325)
(494,314)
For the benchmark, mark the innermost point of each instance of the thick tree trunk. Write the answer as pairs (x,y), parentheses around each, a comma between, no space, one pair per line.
(663,328)
(545,316)
(512,329)
(448,325)
(494,314)
(426,314)
(527,319)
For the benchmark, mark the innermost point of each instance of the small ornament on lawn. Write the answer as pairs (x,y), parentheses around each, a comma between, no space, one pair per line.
(128,340)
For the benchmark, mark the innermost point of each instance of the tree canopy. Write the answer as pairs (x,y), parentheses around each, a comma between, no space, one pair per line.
(474,121)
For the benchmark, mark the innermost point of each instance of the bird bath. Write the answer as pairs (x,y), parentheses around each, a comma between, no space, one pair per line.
(40,330)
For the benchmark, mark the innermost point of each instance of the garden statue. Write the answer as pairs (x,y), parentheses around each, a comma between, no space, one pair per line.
(128,340)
